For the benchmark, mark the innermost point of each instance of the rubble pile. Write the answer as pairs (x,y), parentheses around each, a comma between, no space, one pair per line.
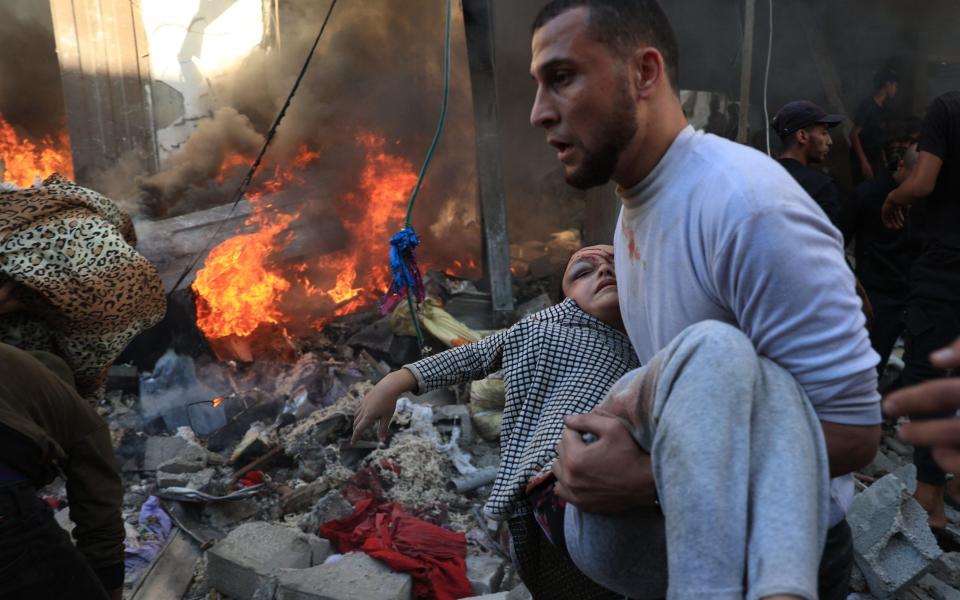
(233,472)
(232,469)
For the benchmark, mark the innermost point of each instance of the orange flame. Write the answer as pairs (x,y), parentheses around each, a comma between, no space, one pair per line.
(239,288)
(217,401)
(27,160)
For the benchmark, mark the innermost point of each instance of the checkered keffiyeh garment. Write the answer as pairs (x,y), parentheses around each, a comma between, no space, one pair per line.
(557,362)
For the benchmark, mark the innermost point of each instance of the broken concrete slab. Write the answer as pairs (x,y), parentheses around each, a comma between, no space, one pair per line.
(484,573)
(251,557)
(893,545)
(356,575)
(195,481)
(329,508)
(190,459)
(162,449)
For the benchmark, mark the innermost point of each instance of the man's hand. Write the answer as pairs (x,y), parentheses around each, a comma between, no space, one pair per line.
(8,303)
(380,403)
(938,395)
(866,169)
(609,475)
(894,212)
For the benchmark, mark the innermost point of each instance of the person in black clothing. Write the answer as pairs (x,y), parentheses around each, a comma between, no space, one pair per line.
(933,308)
(870,127)
(882,255)
(804,130)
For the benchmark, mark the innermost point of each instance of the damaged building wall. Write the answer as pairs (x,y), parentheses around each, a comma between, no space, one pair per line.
(101,49)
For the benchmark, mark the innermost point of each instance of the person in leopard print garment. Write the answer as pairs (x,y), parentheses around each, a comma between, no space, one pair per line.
(71,281)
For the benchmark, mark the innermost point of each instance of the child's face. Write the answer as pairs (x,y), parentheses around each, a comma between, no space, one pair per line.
(590,282)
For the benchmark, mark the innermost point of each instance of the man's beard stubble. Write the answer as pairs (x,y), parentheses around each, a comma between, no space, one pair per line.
(616,131)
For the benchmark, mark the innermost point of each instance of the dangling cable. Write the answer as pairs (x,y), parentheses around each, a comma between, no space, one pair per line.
(248,178)
(406,279)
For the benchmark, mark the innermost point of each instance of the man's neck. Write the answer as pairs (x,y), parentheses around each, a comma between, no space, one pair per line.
(646,150)
(795,153)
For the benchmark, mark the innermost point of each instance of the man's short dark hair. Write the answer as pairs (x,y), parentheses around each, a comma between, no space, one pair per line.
(623,27)
(883,77)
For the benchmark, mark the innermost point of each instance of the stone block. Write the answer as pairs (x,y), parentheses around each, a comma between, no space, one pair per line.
(883,463)
(329,508)
(252,556)
(354,576)
(189,459)
(893,545)
(161,449)
(485,573)
(445,417)
(195,481)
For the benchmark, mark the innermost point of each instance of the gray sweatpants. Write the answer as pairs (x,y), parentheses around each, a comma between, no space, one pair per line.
(741,472)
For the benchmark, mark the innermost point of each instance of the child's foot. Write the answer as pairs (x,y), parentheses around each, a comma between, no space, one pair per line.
(930,498)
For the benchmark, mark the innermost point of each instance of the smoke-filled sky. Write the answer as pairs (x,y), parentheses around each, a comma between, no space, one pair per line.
(379,68)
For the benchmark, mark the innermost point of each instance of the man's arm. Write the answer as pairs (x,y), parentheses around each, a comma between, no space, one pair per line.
(918,185)
(850,447)
(783,275)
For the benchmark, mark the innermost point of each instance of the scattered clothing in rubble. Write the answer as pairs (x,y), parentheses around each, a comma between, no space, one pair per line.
(741,473)
(89,292)
(433,556)
(152,531)
(557,362)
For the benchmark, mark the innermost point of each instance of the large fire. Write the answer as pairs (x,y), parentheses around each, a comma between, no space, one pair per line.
(25,161)
(240,286)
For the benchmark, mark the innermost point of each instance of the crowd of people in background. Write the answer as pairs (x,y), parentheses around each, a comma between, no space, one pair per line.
(900,220)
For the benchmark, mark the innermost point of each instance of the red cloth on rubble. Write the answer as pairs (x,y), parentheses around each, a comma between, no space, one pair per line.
(433,556)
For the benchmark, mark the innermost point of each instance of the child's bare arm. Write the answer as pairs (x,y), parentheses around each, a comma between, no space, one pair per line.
(381,402)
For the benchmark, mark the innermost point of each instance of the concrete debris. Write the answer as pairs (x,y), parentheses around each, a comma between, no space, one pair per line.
(254,444)
(160,449)
(189,459)
(331,507)
(936,589)
(252,556)
(948,568)
(195,481)
(354,576)
(893,545)
(485,573)
(496,596)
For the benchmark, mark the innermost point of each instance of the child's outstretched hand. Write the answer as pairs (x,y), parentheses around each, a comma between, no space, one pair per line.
(380,404)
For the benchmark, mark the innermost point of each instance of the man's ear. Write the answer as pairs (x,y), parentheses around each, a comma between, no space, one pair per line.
(647,70)
(803,137)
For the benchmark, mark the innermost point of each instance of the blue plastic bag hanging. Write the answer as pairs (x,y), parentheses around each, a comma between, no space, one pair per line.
(404,271)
